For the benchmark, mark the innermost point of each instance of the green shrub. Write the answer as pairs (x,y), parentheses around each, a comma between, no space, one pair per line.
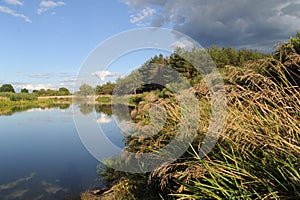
(18,96)
(135,99)
(104,99)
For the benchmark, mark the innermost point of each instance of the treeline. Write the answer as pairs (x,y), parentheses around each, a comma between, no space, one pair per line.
(160,71)
(230,56)
(105,89)
(49,92)
(8,91)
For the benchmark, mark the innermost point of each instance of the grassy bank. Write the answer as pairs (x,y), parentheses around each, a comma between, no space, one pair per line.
(130,100)
(8,107)
(257,155)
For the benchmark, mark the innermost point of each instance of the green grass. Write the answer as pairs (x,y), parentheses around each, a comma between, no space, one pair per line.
(18,96)
(8,107)
(104,99)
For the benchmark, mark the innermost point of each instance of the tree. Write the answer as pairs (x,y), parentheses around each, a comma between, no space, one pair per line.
(50,92)
(7,88)
(129,84)
(42,92)
(63,91)
(86,90)
(24,90)
(107,88)
(136,80)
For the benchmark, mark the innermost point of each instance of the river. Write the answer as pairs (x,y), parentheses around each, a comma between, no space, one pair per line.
(42,156)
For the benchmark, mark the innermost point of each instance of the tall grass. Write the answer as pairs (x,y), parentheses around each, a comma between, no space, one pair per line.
(258,153)
(18,96)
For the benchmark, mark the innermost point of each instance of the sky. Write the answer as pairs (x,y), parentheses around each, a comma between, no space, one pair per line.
(44,43)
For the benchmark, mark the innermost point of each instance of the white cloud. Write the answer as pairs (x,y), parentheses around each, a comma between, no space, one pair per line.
(14,2)
(185,44)
(42,76)
(11,185)
(252,23)
(34,86)
(104,119)
(37,110)
(144,14)
(53,188)
(46,5)
(103,74)
(69,80)
(138,4)
(17,194)
(64,74)
(13,13)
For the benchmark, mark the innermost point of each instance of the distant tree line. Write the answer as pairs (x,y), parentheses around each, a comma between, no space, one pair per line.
(105,89)
(49,92)
(7,90)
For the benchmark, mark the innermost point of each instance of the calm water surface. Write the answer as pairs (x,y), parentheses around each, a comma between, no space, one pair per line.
(42,156)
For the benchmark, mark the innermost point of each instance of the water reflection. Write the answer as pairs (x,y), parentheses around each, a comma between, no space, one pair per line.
(121,111)
(104,119)
(41,154)
(86,108)
(11,109)
(18,189)
(13,184)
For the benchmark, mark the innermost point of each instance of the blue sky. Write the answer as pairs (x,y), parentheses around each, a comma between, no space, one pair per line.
(49,49)
(44,43)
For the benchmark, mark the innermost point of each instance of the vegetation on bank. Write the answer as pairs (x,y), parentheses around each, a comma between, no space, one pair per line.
(258,153)
(8,107)
(18,96)
(7,90)
(11,102)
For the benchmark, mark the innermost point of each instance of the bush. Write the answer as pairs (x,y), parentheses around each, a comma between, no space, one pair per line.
(104,99)
(135,99)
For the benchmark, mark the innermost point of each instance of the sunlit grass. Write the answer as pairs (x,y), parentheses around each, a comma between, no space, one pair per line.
(258,153)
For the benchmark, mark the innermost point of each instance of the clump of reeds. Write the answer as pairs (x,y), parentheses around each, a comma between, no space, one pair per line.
(258,153)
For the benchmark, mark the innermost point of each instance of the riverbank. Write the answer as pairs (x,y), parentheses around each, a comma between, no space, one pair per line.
(8,107)
(257,154)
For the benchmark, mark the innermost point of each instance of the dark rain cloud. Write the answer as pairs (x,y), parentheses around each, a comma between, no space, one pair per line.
(241,23)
